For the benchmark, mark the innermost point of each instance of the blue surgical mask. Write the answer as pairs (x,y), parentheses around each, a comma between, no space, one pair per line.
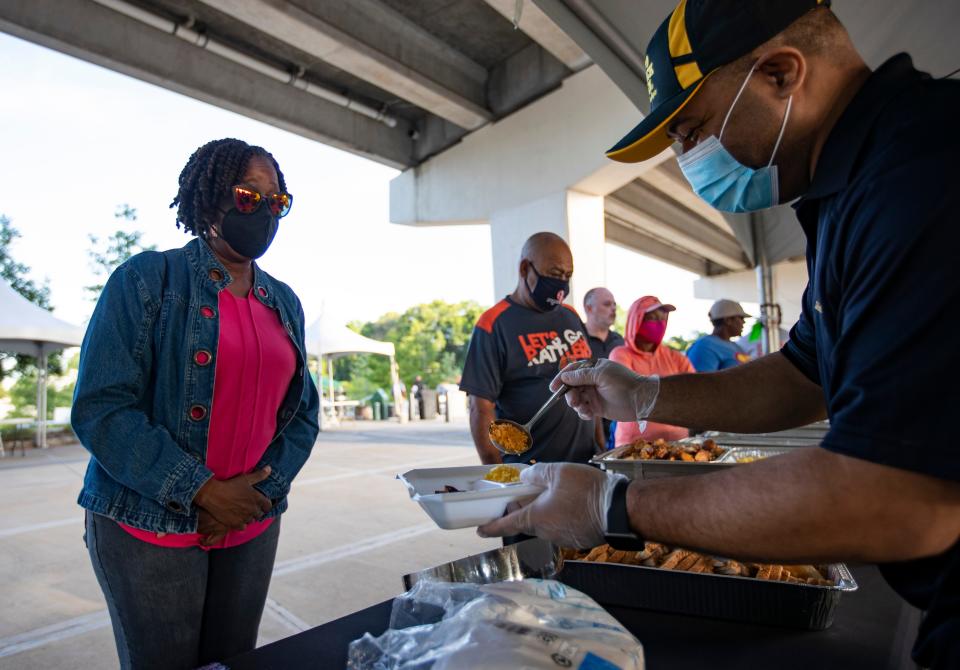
(723,181)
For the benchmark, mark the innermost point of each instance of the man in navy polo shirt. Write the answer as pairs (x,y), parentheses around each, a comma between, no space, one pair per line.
(771,102)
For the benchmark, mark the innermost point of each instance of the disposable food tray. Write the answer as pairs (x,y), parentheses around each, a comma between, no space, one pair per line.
(476,503)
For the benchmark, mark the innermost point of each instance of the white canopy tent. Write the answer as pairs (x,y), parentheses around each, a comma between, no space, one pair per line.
(330,339)
(28,329)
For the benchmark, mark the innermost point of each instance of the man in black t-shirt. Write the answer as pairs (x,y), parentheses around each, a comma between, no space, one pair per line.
(517,347)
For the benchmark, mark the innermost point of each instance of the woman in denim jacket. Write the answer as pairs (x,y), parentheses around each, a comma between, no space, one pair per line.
(194,400)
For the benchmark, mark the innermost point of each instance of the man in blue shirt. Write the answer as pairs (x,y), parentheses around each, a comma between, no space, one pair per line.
(717,351)
(771,102)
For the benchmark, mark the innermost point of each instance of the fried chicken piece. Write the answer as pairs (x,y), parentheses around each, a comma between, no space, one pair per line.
(674,558)
(651,554)
(704,564)
(657,548)
(573,554)
(703,456)
(803,571)
(731,567)
(770,572)
(689,561)
(596,552)
(616,556)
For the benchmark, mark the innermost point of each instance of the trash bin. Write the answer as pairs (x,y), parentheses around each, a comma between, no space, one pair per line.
(380,403)
(429,402)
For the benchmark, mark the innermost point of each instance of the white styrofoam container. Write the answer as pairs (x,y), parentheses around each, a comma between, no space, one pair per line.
(478,501)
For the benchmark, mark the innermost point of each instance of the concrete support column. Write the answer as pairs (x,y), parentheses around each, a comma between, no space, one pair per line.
(574,216)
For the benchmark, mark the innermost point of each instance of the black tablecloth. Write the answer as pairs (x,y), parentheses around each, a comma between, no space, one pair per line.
(873,628)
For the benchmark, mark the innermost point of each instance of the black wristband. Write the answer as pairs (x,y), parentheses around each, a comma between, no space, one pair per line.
(619,535)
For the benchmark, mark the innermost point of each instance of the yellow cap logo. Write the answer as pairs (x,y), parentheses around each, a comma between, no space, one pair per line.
(651,90)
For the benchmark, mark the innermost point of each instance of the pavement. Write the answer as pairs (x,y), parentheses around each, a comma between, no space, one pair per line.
(350,534)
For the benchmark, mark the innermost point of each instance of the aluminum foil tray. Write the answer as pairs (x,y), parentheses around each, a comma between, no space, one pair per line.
(737,454)
(530,558)
(654,469)
(709,595)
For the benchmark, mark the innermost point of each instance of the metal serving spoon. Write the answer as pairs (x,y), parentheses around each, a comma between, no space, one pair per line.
(528,426)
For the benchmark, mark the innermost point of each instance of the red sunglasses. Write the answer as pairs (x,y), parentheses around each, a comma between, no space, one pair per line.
(247,201)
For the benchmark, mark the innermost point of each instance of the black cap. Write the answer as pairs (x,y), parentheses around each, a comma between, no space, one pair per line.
(698,37)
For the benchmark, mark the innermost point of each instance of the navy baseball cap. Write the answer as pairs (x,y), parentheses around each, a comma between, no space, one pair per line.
(696,39)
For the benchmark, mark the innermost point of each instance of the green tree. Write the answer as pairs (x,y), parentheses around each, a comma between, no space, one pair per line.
(431,340)
(681,343)
(117,248)
(16,275)
(23,396)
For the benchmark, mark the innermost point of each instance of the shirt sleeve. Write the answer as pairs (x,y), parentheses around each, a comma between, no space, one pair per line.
(116,365)
(894,394)
(703,358)
(484,365)
(801,348)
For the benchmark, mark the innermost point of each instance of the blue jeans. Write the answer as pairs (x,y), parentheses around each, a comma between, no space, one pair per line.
(180,608)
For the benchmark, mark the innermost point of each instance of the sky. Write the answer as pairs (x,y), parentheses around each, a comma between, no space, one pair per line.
(79,140)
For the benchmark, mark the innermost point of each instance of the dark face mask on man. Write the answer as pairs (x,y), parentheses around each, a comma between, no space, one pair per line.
(549,292)
(250,235)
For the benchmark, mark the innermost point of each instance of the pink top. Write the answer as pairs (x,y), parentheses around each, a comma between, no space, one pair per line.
(254,365)
(662,361)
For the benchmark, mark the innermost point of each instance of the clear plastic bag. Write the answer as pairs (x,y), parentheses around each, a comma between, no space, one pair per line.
(507,626)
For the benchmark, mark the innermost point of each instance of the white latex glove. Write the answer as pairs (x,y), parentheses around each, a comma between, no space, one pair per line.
(571,511)
(608,390)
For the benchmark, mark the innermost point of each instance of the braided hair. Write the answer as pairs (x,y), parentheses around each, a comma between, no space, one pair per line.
(208,176)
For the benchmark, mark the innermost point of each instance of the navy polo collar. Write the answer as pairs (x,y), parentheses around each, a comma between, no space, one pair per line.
(835,166)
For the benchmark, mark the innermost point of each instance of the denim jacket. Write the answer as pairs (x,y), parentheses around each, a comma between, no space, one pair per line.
(143,394)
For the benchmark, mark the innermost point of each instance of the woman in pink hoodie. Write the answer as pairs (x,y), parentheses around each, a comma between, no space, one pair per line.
(642,353)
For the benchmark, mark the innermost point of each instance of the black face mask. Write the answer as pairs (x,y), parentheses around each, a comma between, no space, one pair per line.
(249,235)
(549,293)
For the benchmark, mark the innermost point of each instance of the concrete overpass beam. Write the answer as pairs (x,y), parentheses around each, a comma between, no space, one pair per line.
(142,51)
(789,281)
(641,221)
(542,30)
(576,217)
(371,41)
(552,145)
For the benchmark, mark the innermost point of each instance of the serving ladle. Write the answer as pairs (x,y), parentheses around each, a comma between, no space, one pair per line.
(528,426)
